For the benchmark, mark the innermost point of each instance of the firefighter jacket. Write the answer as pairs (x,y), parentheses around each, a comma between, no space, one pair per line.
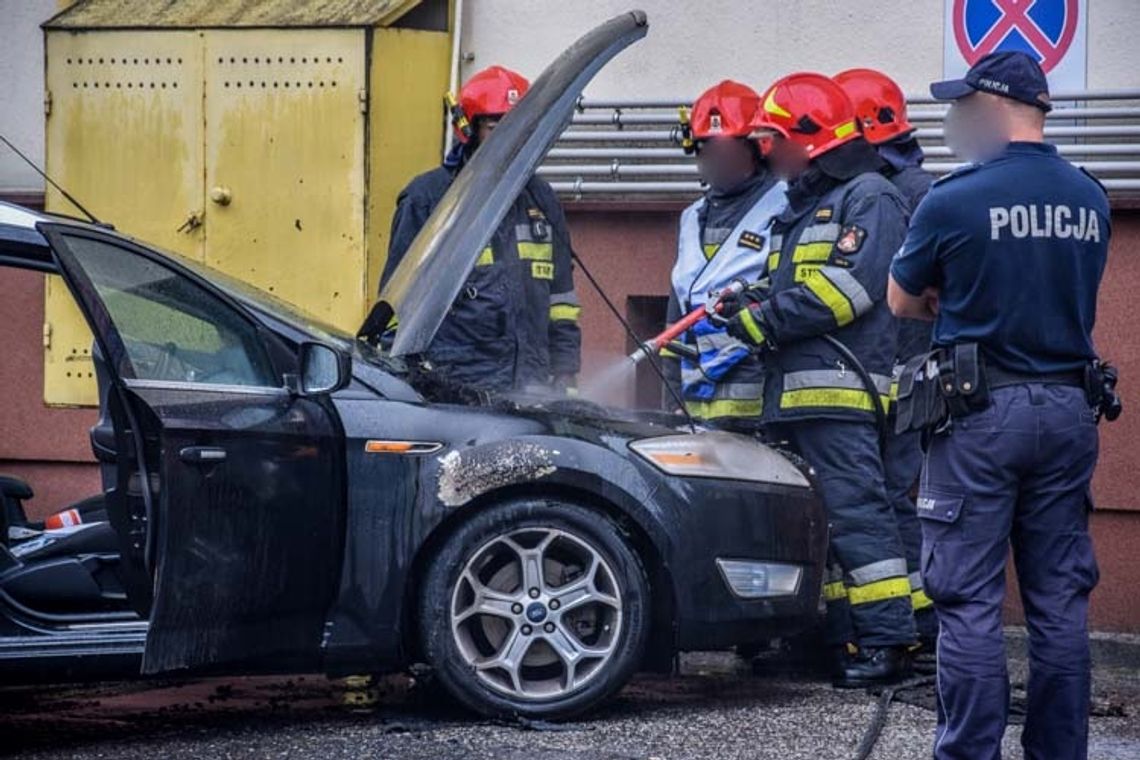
(830,254)
(904,170)
(722,237)
(514,325)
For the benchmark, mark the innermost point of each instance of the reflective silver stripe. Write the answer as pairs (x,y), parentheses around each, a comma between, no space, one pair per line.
(717,341)
(861,302)
(775,243)
(834,573)
(717,349)
(738,391)
(833,378)
(820,233)
(878,571)
(569,298)
(715,235)
(691,374)
(915,581)
(523,233)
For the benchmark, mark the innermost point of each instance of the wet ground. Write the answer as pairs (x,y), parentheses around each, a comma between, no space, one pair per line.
(715,709)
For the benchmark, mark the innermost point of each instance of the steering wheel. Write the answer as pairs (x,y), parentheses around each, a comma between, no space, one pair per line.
(164,368)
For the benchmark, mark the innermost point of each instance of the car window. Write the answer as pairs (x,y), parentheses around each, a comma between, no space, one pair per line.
(172,328)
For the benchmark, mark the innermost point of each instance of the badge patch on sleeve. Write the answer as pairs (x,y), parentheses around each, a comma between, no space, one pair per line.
(752,240)
(542,270)
(850,239)
(823,214)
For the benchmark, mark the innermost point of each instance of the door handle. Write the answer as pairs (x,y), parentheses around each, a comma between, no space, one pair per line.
(202,455)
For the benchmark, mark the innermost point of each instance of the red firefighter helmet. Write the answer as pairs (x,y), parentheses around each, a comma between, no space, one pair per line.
(880,107)
(725,110)
(810,110)
(491,92)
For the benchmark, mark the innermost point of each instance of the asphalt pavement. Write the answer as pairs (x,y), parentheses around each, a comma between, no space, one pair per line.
(716,708)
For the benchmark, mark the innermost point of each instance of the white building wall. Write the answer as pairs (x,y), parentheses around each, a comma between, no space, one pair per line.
(693,44)
(22,90)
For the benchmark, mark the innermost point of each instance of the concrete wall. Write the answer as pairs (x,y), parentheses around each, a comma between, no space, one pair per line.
(693,45)
(22,85)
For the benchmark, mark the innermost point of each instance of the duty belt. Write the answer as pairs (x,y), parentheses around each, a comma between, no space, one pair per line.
(1000,378)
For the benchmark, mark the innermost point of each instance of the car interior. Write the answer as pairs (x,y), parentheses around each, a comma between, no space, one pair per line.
(64,568)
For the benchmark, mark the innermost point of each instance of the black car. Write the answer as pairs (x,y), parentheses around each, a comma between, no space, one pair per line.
(283,497)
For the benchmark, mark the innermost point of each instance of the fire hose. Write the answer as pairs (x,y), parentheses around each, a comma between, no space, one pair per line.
(715,304)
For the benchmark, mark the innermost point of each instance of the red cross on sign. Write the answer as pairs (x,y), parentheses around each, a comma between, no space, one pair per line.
(978,30)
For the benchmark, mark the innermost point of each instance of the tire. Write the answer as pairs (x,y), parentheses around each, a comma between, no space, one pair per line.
(508,658)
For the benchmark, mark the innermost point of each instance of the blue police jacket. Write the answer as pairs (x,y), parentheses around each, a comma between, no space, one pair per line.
(1017,247)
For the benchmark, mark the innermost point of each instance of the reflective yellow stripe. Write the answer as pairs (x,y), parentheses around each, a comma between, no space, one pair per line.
(919,600)
(486,257)
(750,326)
(879,591)
(847,398)
(812,252)
(773,261)
(727,407)
(565,312)
(536,251)
(710,249)
(834,591)
(805,272)
(894,392)
(772,107)
(665,353)
(393,323)
(845,129)
(832,298)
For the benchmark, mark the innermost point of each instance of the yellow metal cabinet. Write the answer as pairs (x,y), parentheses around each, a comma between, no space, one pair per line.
(285,164)
(267,140)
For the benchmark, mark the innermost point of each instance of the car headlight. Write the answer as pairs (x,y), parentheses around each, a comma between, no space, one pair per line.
(760,580)
(717,454)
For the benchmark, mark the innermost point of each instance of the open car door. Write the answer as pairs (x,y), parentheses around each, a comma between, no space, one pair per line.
(229,491)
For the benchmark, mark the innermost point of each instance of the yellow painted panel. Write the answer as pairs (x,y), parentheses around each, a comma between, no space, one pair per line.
(124,136)
(285,142)
(69,375)
(408,78)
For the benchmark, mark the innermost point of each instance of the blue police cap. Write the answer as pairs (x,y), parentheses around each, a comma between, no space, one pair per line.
(1010,74)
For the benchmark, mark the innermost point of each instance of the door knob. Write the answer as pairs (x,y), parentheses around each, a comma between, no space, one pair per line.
(221,195)
(202,455)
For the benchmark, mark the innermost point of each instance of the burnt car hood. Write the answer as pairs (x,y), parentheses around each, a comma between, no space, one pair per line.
(433,270)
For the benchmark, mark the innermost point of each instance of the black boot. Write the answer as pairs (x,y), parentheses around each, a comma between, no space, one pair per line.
(839,659)
(876,666)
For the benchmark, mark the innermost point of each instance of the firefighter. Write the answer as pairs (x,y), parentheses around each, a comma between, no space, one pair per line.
(880,110)
(515,323)
(723,236)
(827,269)
(1007,255)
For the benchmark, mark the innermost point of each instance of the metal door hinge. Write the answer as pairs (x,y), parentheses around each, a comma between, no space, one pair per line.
(362,97)
(47,102)
(47,336)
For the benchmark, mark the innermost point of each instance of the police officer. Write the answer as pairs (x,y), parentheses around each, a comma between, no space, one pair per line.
(515,323)
(1007,255)
(830,251)
(723,237)
(880,109)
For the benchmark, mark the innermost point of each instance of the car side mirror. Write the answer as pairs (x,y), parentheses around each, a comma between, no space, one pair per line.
(323,369)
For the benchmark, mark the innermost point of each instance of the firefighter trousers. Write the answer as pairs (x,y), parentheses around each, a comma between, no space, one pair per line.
(868,591)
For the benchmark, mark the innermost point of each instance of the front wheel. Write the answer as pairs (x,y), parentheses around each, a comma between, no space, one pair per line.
(537,608)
